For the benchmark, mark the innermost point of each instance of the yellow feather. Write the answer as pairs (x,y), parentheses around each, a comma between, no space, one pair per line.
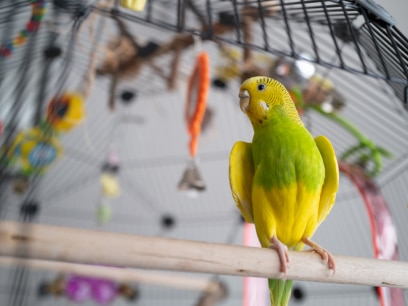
(290,220)
(331,181)
(241,172)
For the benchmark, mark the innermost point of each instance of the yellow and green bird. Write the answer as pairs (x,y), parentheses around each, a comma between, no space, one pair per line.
(285,182)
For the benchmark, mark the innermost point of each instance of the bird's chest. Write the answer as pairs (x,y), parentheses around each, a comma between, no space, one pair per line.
(289,173)
(282,158)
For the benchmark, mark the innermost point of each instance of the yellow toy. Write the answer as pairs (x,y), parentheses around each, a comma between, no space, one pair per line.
(136,5)
(66,111)
(33,151)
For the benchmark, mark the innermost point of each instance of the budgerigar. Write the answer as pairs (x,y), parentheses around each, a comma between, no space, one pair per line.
(285,182)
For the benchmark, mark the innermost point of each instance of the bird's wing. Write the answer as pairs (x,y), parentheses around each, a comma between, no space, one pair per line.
(331,181)
(241,173)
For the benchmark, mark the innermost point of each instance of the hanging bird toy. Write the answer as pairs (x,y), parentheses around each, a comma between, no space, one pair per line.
(37,14)
(33,151)
(194,113)
(66,111)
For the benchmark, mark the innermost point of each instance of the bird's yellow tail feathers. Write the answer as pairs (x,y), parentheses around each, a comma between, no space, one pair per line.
(280,291)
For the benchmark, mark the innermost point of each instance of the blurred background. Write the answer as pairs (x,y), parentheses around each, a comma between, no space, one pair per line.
(97,104)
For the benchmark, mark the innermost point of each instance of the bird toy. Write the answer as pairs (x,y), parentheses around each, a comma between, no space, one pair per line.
(198,86)
(110,187)
(33,151)
(80,289)
(65,111)
(37,14)
(383,230)
(197,100)
(136,5)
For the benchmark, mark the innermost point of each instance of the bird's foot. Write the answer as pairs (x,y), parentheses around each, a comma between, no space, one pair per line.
(283,253)
(326,256)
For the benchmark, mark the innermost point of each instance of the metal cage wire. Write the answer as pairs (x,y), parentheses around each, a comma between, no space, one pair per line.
(352,36)
(361,36)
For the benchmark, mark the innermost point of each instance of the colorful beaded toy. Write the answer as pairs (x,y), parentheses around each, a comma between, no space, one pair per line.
(37,14)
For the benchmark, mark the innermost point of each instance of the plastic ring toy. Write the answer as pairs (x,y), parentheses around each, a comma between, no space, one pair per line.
(197,94)
(33,151)
(65,112)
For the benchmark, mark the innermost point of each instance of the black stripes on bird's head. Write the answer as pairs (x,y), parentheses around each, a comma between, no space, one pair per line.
(266,93)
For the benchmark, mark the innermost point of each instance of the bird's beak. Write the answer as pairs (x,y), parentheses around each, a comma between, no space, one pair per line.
(244,100)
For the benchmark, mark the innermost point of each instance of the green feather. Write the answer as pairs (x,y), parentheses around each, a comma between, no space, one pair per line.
(289,160)
(280,291)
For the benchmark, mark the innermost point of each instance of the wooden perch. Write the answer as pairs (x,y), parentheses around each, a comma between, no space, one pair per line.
(120,275)
(106,248)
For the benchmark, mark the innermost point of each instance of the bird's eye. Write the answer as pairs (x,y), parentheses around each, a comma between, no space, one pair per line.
(261,87)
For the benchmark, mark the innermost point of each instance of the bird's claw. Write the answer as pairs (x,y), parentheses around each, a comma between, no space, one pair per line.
(324,254)
(283,254)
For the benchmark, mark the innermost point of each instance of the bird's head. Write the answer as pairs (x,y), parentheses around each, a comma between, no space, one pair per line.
(262,97)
